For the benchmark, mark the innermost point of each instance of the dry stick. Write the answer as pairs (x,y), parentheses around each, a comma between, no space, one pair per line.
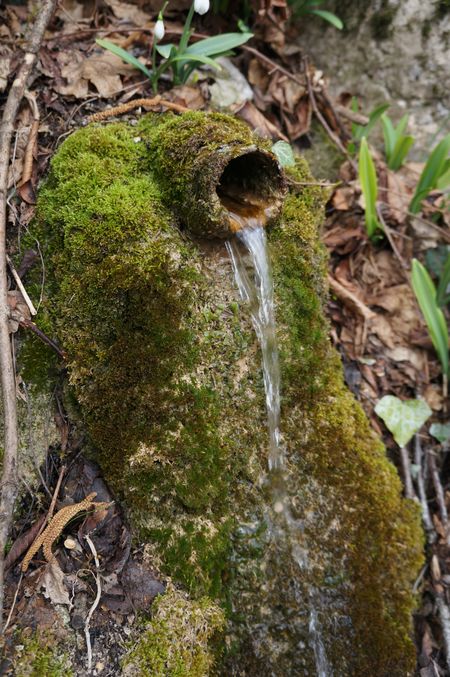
(426,517)
(95,603)
(9,476)
(335,139)
(440,498)
(349,299)
(20,286)
(406,465)
(351,115)
(444,613)
(28,324)
(131,105)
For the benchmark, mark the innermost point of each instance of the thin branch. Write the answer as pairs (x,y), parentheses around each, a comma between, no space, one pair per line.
(334,138)
(9,476)
(95,603)
(131,105)
(406,465)
(418,461)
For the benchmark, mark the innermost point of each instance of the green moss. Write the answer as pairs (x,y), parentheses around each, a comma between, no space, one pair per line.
(176,641)
(39,656)
(165,366)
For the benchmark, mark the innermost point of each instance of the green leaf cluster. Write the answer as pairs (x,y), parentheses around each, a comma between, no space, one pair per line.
(182,59)
(397,144)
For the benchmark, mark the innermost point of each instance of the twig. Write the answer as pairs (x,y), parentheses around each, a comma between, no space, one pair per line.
(9,475)
(20,286)
(444,613)
(335,139)
(131,105)
(28,324)
(440,498)
(406,465)
(95,603)
(8,620)
(322,184)
(418,457)
(351,115)
(350,299)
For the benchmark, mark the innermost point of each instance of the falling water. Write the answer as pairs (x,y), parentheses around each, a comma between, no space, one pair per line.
(256,288)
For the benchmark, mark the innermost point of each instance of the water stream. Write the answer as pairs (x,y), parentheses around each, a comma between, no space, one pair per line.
(255,285)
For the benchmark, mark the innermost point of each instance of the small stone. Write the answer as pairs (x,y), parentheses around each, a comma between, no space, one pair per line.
(278,507)
(70,543)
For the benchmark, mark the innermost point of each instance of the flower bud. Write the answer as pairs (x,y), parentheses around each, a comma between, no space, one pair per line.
(201,6)
(159,30)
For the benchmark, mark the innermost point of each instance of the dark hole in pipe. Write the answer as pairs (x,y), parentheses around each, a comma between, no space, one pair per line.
(253,179)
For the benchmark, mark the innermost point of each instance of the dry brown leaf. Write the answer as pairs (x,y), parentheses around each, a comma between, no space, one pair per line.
(102,70)
(52,582)
(343,198)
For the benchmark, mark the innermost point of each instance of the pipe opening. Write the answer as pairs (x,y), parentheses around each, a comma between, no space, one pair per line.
(251,189)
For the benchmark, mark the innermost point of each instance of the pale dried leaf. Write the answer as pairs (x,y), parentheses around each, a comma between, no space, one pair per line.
(52,582)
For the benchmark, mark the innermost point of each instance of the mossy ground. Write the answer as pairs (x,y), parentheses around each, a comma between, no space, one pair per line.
(165,366)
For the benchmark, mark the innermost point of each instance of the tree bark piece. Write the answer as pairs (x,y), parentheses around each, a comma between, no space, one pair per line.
(9,476)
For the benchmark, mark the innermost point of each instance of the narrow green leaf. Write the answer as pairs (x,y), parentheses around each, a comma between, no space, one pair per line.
(444,282)
(368,179)
(374,116)
(389,135)
(330,17)
(402,124)
(401,149)
(218,44)
(198,58)
(444,179)
(435,166)
(425,292)
(404,418)
(125,56)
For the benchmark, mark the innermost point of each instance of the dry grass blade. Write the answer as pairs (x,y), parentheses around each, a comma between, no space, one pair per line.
(56,527)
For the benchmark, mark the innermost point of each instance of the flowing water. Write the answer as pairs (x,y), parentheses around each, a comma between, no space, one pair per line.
(256,288)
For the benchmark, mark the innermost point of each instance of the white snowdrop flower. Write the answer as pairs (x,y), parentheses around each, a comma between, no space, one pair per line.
(201,6)
(159,30)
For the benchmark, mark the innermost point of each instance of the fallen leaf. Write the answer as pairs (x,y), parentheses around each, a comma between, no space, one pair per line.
(102,70)
(52,582)
(403,418)
(441,431)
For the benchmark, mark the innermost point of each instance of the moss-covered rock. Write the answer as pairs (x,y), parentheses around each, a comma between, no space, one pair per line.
(166,369)
(176,642)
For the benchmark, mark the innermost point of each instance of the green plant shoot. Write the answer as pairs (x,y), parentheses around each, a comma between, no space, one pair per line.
(369,185)
(396,144)
(437,166)
(425,292)
(181,59)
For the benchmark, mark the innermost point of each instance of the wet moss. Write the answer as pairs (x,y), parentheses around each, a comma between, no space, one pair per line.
(164,363)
